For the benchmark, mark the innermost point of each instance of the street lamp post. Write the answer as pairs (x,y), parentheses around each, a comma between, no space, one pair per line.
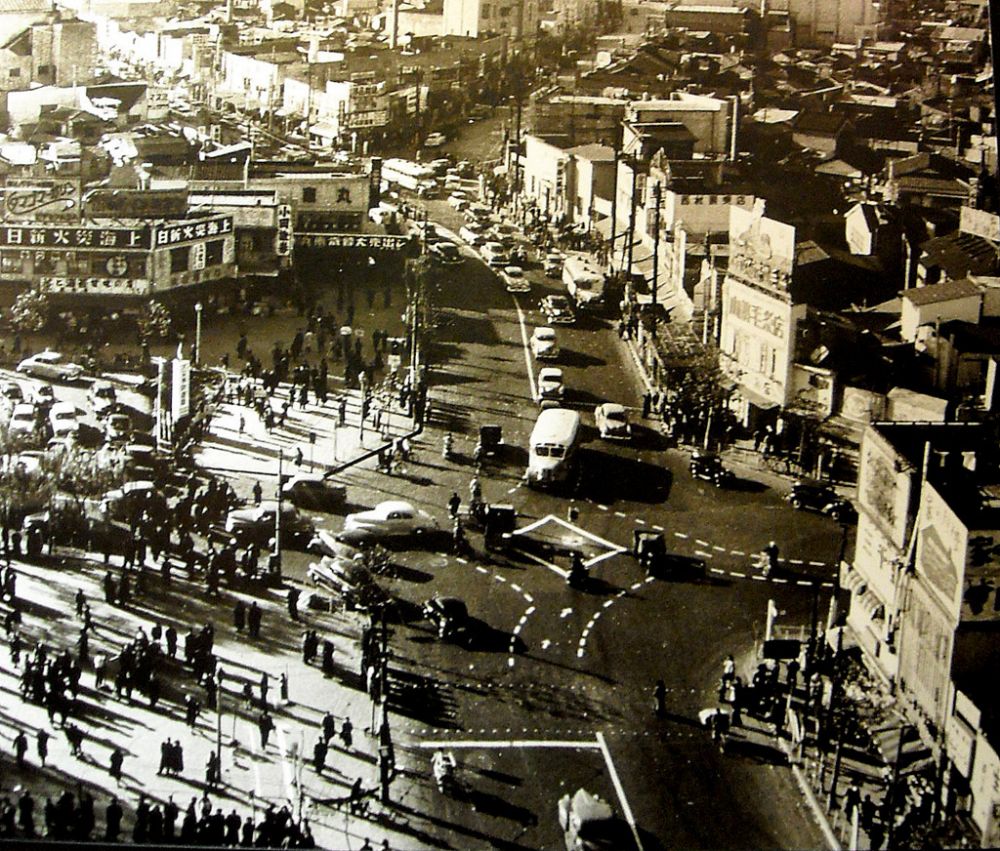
(197,332)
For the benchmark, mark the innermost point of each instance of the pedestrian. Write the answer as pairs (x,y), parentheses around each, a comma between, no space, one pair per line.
(258,493)
(191,708)
(347,733)
(265,725)
(329,725)
(74,736)
(20,747)
(283,687)
(253,619)
(26,813)
(171,638)
(213,770)
(239,615)
(319,755)
(42,745)
(327,663)
(264,688)
(166,755)
(852,801)
(660,698)
(293,603)
(454,503)
(115,764)
(80,600)
(113,821)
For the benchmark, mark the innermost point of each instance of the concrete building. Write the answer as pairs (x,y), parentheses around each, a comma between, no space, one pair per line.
(821,23)
(59,52)
(701,124)
(473,18)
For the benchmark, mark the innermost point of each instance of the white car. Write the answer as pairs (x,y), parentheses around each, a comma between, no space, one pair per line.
(435,140)
(494,255)
(553,265)
(550,384)
(52,366)
(102,396)
(612,421)
(544,345)
(514,280)
(43,395)
(23,421)
(63,420)
(459,202)
(472,235)
(393,518)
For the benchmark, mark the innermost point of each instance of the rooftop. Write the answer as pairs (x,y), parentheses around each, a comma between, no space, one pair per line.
(936,293)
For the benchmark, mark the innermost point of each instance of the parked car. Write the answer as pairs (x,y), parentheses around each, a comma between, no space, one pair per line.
(544,345)
(449,615)
(23,421)
(393,518)
(51,366)
(120,503)
(440,166)
(472,234)
(550,383)
(518,255)
(445,253)
(813,495)
(102,396)
(11,392)
(314,490)
(435,140)
(494,255)
(459,202)
(349,579)
(257,523)
(708,467)
(552,265)
(63,420)
(612,421)
(558,310)
(117,427)
(514,280)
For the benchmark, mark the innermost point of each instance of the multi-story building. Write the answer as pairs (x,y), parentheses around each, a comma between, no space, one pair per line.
(58,52)
(515,18)
(819,23)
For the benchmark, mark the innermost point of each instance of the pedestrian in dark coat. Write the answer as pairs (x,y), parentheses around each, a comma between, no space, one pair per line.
(113,820)
(265,724)
(42,745)
(293,603)
(327,657)
(191,710)
(171,637)
(329,725)
(20,747)
(80,599)
(253,619)
(26,814)
(115,764)
(319,755)
(264,688)
(170,813)
(347,733)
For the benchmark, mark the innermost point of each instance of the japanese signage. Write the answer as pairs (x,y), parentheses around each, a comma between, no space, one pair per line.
(941,548)
(137,203)
(283,237)
(50,236)
(374,241)
(180,388)
(178,234)
(697,200)
(32,197)
(95,286)
(884,485)
(759,316)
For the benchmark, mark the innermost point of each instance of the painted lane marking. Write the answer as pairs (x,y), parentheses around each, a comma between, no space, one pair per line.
(527,349)
(616,781)
(486,744)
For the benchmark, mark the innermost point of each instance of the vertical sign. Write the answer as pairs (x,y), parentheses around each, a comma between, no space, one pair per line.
(198,256)
(180,388)
(283,237)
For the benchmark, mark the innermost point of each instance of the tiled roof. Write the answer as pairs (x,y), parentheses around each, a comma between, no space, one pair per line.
(936,293)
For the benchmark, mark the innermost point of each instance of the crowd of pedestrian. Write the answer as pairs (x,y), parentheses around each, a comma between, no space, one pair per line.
(71,816)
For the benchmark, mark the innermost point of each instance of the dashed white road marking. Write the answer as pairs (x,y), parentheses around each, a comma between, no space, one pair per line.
(681,535)
(702,553)
(486,744)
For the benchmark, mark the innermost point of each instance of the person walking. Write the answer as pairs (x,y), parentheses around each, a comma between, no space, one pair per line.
(265,724)
(42,745)
(454,503)
(239,615)
(115,764)
(113,821)
(265,687)
(347,733)
(258,492)
(293,603)
(20,747)
(319,754)
(191,710)
(253,619)
(213,770)
(329,726)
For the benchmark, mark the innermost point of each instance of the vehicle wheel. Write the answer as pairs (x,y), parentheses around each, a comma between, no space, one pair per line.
(796,503)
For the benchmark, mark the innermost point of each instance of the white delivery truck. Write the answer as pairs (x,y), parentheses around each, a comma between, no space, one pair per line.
(584,282)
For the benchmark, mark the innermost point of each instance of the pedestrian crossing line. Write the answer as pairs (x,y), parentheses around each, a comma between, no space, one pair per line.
(817,564)
(803,583)
(737,574)
(795,561)
(737,553)
(702,543)
(717,570)
(481,569)
(516,587)
(657,528)
(702,553)
(757,578)
(608,603)
(462,560)
(779,581)
(640,520)
(718,549)
(529,598)
(511,490)
(620,514)
(499,578)
(681,535)
(529,611)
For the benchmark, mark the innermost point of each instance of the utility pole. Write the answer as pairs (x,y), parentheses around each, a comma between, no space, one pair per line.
(612,233)
(656,249)
(275,560)
(631,215)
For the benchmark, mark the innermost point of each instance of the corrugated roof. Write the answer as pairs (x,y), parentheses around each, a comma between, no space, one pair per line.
(947,291)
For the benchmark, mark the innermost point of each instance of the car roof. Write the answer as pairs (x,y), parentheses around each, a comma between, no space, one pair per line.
(395,505)
(63,406)
(610,407)
(545,329)
(48,354)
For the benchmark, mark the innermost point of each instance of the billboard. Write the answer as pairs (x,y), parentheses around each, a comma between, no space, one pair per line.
(75,238)
(760,248)
(884,486)
(941,549)
(30,198)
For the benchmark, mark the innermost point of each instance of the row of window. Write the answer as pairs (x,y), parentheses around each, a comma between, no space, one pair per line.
(82,264)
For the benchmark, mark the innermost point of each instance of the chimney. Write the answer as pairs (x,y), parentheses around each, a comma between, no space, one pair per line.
(394,25)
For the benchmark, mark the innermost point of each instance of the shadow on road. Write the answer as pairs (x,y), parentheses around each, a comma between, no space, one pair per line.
(609,478)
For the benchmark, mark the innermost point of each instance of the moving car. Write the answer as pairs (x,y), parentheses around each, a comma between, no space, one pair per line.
(43,395)
(435,140)
(494,254)
(514,280)
(544,345)
(51,366)
(472,234)
(552,265)
(349,579)
(117,427)
(459,202)
(449,615)
(308,490)
(558,310)
(708,467)
(550,383)
(612,421)
(446,253)
(257,523)
(813,495)
(394,518)
(102,396)
(589,823)
(63,420)
(11,391)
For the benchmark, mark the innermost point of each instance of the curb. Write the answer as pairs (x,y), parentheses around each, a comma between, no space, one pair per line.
(817,810)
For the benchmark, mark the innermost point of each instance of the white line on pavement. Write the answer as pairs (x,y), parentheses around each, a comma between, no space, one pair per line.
(626,809)
(737,553)
(803,582)
(680,535)
(486,744)
(702,553)
(640,520)
(817,564)
(737,574)
(702,543)
(620,514)
(779,581)
(527,349)
(716,570)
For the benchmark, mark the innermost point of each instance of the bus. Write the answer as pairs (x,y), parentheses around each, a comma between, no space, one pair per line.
(409,175)
(552,449)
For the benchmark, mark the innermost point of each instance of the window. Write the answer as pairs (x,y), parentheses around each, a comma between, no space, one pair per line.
(179,258)
(44,69)
(486,10)
(213,252)
(309,194)
(11,263)
(14,72)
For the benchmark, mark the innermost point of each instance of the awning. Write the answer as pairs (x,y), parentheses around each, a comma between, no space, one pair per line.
(912,753)
(756,399)
(323,129)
